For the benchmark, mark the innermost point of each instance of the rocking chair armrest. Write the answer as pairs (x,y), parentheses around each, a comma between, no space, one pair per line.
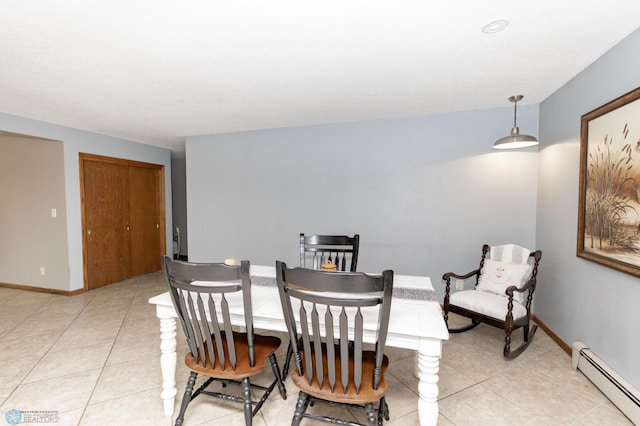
(509,291)
(447,277)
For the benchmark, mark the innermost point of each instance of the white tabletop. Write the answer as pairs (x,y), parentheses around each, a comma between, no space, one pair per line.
(409,318)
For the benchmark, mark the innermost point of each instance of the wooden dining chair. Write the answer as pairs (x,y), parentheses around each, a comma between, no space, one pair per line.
(501,295)
(201,295)
(340,250)
(316,250)
(325,313)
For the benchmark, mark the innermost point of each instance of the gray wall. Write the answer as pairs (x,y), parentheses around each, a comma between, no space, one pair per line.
(579,299)
(424,193)
(179,202)
(76,141)
(31,184)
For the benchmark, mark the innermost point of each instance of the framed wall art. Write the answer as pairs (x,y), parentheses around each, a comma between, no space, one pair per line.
(609,199)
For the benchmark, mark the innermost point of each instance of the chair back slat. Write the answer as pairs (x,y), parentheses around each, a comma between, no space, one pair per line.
(306,343)
(206,330)
(197,331)
(344,346)
(317,344)
(331,355)
(340,250)
(228,331)
(357,350)
(181,307)
(218,331)
(210,330)
(215,325)
(203,308)
(340,300)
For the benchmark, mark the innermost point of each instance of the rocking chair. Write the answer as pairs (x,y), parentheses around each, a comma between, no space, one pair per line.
(502,294)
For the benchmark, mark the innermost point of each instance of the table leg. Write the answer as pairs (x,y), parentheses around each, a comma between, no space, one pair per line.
(168,362)
(428,367)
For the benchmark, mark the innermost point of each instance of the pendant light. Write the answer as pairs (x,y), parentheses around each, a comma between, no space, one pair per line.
(515,139)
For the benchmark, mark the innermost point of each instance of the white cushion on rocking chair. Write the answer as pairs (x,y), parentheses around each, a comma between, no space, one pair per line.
(496,277)
(486,303)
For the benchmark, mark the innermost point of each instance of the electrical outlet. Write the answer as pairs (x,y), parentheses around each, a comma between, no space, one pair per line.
(42,270)
(459,284)
(54,213)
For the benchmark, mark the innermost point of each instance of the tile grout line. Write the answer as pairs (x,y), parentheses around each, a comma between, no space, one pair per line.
(53,297)
(104,364)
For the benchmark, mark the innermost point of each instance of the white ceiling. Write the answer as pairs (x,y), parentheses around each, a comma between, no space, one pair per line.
(156,71)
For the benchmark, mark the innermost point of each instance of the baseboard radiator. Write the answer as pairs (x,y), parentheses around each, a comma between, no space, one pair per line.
(619,391)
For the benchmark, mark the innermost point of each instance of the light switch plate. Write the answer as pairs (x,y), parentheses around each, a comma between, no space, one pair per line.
(459,284)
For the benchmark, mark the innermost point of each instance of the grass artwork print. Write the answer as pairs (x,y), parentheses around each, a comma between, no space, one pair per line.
(609,200)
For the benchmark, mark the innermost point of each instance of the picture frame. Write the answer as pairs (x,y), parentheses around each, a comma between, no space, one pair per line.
(609,198)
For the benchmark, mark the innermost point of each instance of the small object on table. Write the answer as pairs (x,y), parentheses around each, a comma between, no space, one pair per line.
(329,267)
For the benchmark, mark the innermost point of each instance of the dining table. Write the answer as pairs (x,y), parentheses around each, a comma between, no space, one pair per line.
(415,322)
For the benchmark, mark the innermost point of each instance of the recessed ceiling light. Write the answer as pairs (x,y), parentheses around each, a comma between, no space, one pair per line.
(495,26)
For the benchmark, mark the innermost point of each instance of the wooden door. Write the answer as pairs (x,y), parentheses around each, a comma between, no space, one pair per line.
(122,218)
(106,219)
(144,214)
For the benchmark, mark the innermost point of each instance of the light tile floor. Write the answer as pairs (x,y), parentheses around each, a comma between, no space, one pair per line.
(94,359)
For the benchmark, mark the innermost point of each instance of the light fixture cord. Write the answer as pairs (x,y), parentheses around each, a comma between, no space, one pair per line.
(515,112)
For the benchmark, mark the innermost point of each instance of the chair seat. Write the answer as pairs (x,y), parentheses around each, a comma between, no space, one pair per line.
(486,303)
(367,393)
(263,345)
